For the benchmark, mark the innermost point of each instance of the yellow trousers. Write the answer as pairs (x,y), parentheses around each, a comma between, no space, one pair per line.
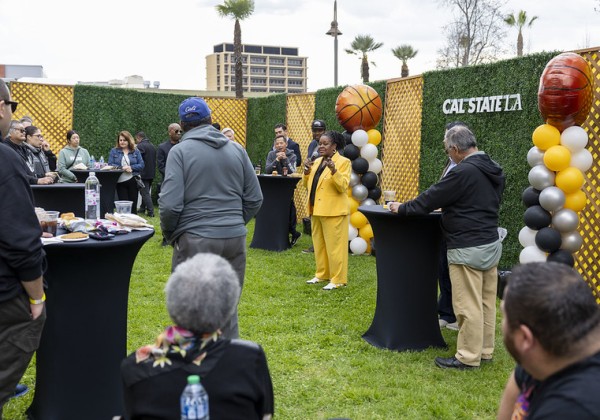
(474,303)
(330,240)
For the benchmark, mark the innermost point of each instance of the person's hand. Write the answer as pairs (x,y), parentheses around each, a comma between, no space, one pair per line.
(36,310)
(393,206)
(331,165)
(307,165)
(45,145)
(127,169)
(45,180)
(280,156)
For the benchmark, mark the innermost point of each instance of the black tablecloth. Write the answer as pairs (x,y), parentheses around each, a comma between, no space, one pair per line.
(108,187)
(85,336)
(272,221)
(64,198)
(407,251)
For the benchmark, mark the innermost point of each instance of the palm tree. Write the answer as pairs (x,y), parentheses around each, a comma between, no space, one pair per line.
(520,21)
(361,45)
(238,10)
(404,53)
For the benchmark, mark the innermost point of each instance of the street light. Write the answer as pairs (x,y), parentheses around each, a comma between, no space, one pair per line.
(334,32)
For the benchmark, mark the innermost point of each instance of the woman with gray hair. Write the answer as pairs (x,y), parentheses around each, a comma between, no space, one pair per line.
(202,294)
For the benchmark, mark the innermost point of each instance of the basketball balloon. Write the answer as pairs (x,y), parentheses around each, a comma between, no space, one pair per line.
(566,90)
(358,107)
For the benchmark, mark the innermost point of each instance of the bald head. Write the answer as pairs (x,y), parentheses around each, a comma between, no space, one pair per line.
(174,132)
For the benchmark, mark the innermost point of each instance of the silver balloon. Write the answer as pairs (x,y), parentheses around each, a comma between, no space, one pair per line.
(552,198)
(565,220)
(354,178)
(360,192)
(535,157)
(541,177)
(368,202)
(571,241)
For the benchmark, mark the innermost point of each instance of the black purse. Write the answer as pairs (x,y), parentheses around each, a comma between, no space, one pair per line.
(138,181)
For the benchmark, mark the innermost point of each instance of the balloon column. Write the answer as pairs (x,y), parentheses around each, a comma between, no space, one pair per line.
(558,162)
(358,109)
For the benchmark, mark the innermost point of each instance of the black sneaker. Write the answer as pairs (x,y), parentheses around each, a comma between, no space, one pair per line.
(295,237)
(308,250)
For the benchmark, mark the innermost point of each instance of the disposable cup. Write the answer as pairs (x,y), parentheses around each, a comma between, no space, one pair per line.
(123,207)
(49,221)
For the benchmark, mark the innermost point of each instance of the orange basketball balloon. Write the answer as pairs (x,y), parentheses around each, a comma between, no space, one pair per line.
(566,91)
(358,107)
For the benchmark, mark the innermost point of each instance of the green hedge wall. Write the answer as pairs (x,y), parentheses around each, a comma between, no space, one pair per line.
(505,136)
(100,113)
(262,115)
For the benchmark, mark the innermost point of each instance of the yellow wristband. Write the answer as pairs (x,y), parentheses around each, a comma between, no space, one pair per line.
(38,301)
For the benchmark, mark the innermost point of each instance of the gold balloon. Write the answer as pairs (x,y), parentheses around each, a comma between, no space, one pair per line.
(353,205)
(546,136)
(374,136)
(575,201)
(366,232)
(358,220)
(569,180)
(557,158)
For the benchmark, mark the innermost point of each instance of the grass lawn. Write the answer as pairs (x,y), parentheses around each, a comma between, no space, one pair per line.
(320,365)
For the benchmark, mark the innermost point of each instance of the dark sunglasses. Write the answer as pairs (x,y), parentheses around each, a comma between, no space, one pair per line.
(179,131)
(13,105)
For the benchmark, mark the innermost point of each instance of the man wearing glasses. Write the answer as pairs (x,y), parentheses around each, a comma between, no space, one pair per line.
(22,308)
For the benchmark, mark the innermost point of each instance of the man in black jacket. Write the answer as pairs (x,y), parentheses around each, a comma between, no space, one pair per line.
(469,196)
(281,131)
(148,152)
(22,309)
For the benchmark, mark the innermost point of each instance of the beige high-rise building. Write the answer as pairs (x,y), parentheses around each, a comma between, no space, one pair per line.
(266,69)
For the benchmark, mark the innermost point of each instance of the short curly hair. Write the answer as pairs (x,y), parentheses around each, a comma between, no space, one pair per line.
(202,293)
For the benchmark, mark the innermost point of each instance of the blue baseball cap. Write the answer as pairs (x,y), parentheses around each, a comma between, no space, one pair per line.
(193,109)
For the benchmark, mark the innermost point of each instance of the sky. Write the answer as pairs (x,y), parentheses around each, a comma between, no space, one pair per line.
(168,40)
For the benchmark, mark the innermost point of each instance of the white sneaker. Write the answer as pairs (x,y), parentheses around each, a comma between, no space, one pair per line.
(452,326)
(332,286)
(442,322)
(315,280)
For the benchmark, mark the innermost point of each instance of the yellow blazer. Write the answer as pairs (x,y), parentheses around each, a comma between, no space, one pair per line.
(331,197)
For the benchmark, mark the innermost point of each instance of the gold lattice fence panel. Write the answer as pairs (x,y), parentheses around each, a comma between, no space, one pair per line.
(401,144)
(49,106)
(230,112)
(587,260)
(300,113)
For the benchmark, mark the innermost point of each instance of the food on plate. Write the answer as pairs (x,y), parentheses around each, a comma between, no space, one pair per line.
(75,235)
(67,216)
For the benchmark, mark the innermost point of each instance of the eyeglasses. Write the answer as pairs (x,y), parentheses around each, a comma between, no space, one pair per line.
(13,105)
(22,130)
(38,135)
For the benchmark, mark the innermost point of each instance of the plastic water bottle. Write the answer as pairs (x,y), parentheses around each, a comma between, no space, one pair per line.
(194,400)
(92,162)
(92,197)
(101,161)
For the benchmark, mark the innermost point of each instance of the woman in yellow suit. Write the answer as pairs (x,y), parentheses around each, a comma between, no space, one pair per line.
(326,180)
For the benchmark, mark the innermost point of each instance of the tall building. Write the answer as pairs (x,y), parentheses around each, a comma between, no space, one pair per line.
(266,69)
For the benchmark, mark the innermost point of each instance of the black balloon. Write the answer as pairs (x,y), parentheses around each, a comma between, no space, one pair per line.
(536,217)
(562,256)
(531,197)
(375,193)
(548,239)
(351,151)
(369,179)
(360,165)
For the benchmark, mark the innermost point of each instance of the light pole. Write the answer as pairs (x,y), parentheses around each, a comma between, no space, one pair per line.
(334,32)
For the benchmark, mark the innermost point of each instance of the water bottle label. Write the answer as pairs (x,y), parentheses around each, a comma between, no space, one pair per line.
(91,197)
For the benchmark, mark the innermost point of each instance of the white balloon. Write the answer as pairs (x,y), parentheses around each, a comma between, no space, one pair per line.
(368,202)
(360,138)
(552,198)
(574,138)
(352,232)
(532,254)
(369,151)
(527,237)
(582,160)
(541,177)
(358,246)
(375,166)
(535,157)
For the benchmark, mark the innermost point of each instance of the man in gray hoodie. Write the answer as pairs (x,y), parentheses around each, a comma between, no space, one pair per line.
(209,193)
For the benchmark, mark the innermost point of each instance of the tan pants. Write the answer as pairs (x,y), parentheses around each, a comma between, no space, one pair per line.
(330,239)
(474,302)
